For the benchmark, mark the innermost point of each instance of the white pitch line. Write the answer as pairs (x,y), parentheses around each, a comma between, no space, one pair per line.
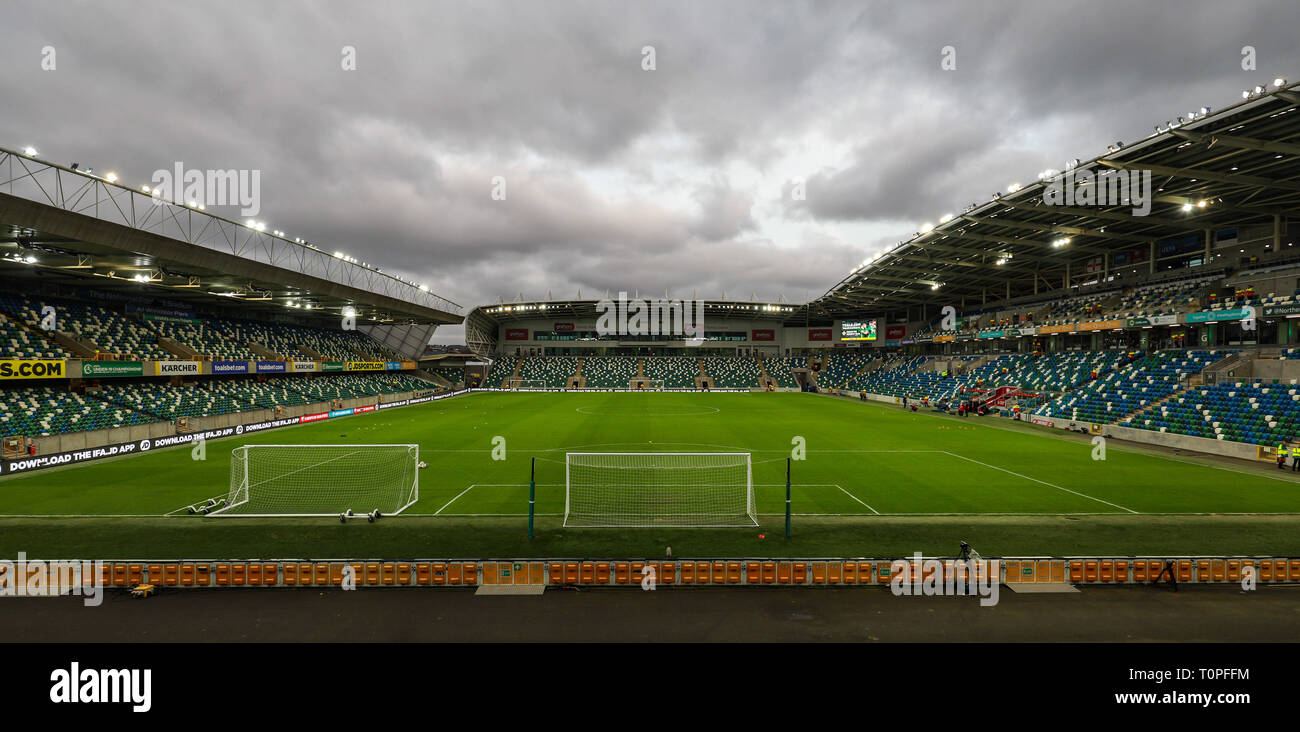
(82,515)
(458,495)
(1036,480)
(859,500)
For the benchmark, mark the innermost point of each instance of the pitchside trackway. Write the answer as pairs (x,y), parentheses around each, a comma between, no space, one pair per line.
(866,463)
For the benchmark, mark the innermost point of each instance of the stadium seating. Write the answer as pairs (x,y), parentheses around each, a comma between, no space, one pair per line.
(779,369)
(838,367)
(110,332)
(1252,412)
(553,371)
(501,370)
(734,372)
(677,372)
(205,338)
(35,411)
(42,410)
(455,375)
(609,372)
(17,342)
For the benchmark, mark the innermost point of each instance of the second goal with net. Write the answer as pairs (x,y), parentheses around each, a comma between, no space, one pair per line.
(321,480)
(659,489)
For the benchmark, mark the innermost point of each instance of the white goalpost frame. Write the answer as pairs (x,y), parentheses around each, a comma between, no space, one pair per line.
(745,516)
(401,494)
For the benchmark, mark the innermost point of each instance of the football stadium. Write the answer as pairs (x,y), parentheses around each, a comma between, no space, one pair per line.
(166,368)
(1081,390)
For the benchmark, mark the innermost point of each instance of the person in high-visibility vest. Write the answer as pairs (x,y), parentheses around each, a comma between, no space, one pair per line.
(1281,457)
(1295,460)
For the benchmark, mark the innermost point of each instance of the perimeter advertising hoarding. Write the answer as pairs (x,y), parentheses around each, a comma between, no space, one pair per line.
(112,368)
(228,367)
(1210,316)
(177,368)
(27,368)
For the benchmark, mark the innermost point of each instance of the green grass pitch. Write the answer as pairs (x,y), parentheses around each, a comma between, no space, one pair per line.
(875,481)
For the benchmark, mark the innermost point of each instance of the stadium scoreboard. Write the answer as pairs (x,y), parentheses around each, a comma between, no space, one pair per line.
(858,330)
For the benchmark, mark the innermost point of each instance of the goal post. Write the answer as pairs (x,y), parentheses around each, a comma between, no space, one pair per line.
(321,480)
(648,489)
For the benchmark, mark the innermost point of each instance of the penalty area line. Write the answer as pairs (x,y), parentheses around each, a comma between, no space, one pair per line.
(1036,480)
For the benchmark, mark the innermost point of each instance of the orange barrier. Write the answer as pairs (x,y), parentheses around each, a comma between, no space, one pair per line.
(1118,570)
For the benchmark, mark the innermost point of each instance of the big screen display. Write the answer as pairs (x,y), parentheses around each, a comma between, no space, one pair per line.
(858,330)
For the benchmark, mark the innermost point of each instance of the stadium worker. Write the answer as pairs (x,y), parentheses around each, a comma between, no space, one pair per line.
(1295,459)
(1281,457)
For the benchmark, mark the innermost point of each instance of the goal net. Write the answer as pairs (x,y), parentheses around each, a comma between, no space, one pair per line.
(321,480)
(526,384)
(659,489)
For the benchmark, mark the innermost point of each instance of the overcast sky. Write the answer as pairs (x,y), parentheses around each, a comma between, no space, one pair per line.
(617,177)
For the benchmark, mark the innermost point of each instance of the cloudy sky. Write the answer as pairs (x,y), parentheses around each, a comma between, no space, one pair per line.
(683,177)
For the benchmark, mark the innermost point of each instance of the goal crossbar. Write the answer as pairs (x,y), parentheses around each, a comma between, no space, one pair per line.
(648,489)
(321,480)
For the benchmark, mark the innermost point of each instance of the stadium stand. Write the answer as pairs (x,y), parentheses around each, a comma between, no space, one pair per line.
(43,410)
(779,370)
(90,323)
(677,372)
(733,372)
(553,371)
(608,372)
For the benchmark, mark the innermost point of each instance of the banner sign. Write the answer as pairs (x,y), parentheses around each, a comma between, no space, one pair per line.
(314,417)
(907,342)
(271,367)
(991,334)
(332,366)
(409,365)
(177,368)
(766,334)
(340,413)
(23,368)
(1288,309)
(563,327)
(516,334)
(1102,325)
(112,368)
(819,334)
(302,367)
(1210,316)
(228,367)
(895,331)
(1154,320)
(944,339)
(394,365)
(365,365)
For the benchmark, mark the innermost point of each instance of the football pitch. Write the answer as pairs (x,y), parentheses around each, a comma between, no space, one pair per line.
(867,480)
